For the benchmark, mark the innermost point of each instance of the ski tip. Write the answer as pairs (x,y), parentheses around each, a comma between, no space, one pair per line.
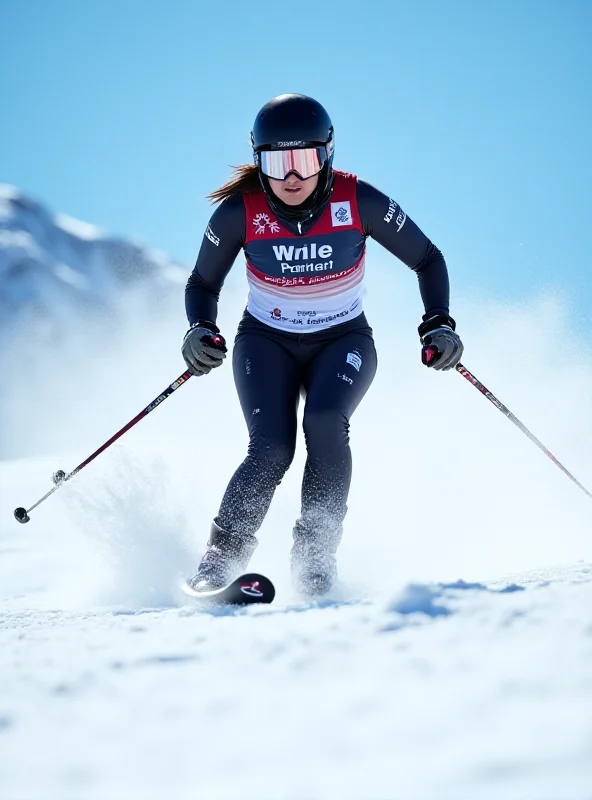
(247,589)
(256,586)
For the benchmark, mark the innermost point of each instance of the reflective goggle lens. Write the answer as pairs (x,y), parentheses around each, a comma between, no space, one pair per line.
(305,163)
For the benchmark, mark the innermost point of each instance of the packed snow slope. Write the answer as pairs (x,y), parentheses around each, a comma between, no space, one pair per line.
(452,660)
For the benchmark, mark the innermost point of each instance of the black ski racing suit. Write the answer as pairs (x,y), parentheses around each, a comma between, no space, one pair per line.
(273,368)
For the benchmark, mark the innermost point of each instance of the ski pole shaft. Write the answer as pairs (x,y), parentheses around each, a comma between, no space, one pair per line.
(492,398)
(60,477)
(144,413)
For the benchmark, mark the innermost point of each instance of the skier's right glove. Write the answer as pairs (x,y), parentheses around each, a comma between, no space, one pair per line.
(203,348)
(442,347)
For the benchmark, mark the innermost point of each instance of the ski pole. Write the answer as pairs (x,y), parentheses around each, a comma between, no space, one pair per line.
(60,477)
(478,385)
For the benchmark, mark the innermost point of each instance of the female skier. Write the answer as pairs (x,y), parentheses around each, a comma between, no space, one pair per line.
(303,227)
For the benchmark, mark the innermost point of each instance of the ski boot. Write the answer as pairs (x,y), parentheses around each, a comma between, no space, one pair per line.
(227,555)
(313,563)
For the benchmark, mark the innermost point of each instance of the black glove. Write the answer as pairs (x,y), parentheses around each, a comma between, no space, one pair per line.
(442,347)
(203,348)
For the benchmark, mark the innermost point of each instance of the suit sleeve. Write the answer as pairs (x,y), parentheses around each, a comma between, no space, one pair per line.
(386,222)
(223,239)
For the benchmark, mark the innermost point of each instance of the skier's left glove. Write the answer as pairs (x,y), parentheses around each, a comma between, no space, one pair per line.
(442,347)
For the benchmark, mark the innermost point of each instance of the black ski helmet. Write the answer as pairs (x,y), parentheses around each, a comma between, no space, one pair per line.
(295,121)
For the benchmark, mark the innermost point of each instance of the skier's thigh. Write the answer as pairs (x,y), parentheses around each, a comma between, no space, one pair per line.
(341,374)
(267,381)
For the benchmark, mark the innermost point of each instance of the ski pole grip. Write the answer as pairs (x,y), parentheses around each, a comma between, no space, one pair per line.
(215,340)
(429,355)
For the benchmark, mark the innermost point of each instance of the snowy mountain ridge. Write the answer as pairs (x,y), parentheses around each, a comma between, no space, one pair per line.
(51,263)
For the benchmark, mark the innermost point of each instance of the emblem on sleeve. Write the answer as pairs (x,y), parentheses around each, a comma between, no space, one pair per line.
(395,210)
(212,236)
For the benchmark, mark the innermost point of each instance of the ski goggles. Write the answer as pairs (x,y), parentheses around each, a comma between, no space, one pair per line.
(305,162)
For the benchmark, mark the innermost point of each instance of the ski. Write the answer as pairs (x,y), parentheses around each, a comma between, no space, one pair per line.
(242,591)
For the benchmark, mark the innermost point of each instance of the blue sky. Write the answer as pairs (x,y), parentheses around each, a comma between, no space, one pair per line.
(475,116)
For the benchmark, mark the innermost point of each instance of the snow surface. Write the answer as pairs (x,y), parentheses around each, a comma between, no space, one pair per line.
(454,659)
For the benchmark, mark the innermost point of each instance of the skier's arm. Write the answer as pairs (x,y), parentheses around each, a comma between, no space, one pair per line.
(387,223)
(222,241)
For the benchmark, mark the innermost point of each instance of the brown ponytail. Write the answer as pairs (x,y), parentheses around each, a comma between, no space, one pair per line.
(244,180)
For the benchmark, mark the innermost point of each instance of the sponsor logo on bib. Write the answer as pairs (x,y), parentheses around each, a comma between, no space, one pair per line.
(341,214)
(263,222)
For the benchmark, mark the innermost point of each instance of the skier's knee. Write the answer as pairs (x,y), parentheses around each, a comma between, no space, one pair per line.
(325,430)
(273,457)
